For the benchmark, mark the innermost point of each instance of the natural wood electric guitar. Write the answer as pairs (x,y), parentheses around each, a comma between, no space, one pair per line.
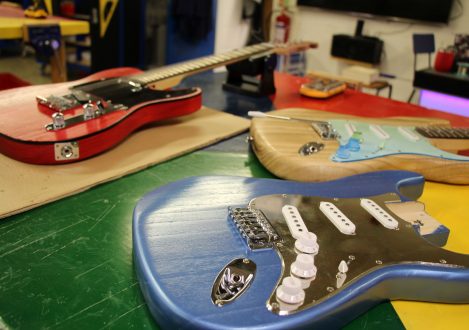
(68,122)
(318,147)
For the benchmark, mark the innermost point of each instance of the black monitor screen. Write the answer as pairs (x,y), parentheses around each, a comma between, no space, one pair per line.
(437,11)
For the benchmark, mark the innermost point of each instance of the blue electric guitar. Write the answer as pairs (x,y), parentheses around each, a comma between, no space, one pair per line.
(233,252)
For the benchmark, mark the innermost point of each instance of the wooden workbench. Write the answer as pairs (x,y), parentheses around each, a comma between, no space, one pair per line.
(69,264)
(12,26)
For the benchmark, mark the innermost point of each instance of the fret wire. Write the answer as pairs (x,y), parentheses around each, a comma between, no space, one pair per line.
(461,133)
(204,62)
(444,132)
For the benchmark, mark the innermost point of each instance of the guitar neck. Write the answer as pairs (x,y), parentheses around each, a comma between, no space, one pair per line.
(443,132)
(204,63)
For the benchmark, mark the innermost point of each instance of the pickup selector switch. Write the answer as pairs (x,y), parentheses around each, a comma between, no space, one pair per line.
(307,244)
(343,268)
(342,274)
(291,291)
(304,267)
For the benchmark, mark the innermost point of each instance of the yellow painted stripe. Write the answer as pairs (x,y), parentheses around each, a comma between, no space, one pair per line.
(106,20)
(48,4)
(449,205)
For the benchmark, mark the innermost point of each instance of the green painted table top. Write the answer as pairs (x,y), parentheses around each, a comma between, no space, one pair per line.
(69,264)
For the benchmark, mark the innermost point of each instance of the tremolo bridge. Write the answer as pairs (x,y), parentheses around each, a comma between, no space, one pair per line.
(254,228)
(236,277)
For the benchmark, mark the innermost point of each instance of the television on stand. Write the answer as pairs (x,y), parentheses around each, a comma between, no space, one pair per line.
(425,11)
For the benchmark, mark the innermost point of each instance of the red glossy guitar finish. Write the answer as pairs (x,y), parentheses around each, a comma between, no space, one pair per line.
(23,135)
(68,122)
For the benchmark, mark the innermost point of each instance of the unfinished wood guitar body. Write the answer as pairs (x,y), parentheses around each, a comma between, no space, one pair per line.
(277,143)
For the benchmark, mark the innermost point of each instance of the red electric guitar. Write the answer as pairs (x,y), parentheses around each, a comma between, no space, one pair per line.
(68,122)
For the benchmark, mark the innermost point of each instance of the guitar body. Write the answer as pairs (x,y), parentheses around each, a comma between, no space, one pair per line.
(184,238)
(69,122)
(277,144)
(23,135)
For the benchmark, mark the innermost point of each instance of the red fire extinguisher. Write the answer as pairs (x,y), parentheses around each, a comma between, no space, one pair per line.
(282,24)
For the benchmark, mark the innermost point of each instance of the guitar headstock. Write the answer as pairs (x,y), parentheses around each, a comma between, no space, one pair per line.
(293,47)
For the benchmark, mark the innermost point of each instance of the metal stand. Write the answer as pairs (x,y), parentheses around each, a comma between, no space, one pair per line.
(254,77)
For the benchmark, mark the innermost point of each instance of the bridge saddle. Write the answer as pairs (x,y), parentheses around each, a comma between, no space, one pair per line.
(253,226)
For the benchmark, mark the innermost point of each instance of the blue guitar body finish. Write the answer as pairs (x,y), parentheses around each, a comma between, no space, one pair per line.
(182,239)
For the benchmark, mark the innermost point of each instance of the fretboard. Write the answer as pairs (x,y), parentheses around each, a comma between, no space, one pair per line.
(443,132)
(201,64)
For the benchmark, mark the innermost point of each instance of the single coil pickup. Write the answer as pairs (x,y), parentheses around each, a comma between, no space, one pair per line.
(338,219)
(379,214)
(408,133)
(254,228)
(294,221)
(379,132)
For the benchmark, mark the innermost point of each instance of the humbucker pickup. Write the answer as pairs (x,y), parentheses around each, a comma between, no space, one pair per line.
(253,226)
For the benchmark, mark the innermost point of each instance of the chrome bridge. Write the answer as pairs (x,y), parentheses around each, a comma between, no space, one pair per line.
(325,130)
(66,102)
(254,228)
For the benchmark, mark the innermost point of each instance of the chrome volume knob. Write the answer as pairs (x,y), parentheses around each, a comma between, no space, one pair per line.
(58,120)
(89,111)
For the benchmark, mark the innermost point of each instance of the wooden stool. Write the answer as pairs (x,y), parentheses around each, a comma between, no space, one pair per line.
(379,85)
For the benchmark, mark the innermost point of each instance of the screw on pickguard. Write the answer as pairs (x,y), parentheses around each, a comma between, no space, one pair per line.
(256,230)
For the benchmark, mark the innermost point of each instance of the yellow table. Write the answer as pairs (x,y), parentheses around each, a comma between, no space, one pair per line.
(13,23)
(447,204)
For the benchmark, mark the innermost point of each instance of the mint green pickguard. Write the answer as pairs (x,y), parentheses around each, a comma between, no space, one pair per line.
(372,146)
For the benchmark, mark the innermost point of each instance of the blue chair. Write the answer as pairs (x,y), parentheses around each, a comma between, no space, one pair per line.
(423,44)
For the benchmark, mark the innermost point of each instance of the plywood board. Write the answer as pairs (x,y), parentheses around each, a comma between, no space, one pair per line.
(25,186)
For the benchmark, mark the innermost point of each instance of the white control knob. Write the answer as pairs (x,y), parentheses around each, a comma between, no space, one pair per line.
(304,266)
(307,243)
(290,291)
